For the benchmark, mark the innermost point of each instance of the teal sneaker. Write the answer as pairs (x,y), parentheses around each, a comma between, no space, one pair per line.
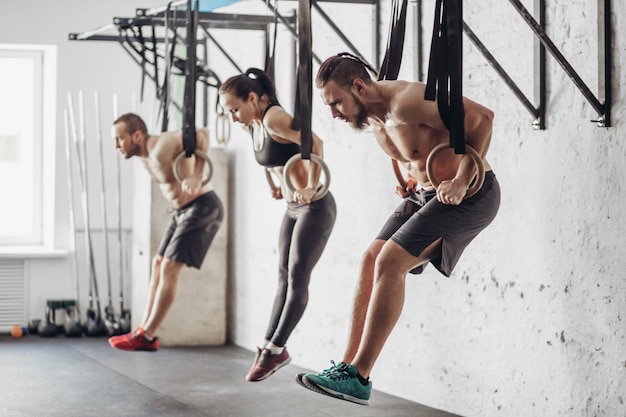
(324,372)
(341,382)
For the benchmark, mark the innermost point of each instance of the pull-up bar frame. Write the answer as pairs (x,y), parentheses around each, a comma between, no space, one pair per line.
(543,42)
(604,58)
(336,28)
(156,17)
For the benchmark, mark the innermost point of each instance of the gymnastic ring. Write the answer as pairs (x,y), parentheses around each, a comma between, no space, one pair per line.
(270,181)
(471,152)
(396,170)
(197,153)
(314,158)
(222,128)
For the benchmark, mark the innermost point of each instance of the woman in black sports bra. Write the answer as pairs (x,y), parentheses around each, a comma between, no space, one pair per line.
(250,99)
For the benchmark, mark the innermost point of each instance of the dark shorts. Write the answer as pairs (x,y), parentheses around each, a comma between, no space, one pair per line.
(192,230)
(415,225)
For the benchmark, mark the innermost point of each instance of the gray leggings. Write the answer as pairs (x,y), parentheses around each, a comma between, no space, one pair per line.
(303,236)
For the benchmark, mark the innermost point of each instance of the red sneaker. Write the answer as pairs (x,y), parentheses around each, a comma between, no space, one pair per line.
(134,341)
(267,364)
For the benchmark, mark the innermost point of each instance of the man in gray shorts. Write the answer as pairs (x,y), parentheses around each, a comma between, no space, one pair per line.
(431,225)
(198,216)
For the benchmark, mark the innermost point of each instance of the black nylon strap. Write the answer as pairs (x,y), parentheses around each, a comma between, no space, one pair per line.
(455,42)
(142,53)
(270,47)
(169,61)
(390,67)
(443,82)
(156,64)
(433,64)
(445,69)
(137,37)
(304,89)
(189,107)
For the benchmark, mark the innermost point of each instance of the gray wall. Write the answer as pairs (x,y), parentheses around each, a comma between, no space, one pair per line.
(93,66)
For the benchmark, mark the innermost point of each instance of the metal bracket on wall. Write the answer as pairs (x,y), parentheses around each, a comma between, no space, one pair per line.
(543,42)
(538,113)
(336,29)
(604,58)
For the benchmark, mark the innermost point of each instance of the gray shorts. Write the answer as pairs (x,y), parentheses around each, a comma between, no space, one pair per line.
(421,220)
(192,230)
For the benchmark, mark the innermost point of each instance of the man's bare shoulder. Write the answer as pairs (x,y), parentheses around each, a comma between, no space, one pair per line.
(170,136)
(406,103)
(202,131)
(167,143)
(402,86)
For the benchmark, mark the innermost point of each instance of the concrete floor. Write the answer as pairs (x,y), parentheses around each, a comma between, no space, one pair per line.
(85,377)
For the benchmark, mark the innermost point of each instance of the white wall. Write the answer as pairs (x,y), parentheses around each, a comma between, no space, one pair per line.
(531,321)
(87,66)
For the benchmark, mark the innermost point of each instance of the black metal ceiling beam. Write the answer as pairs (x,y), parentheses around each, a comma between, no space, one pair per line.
(345,1)
(205,19)
(161,9)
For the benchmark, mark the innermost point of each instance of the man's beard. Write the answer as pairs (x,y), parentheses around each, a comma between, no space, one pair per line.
(360,123)
(133,151)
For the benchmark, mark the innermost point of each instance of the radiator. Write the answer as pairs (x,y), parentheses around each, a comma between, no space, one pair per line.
(12,305)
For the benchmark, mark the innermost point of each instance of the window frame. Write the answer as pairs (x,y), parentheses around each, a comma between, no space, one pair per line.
(44,58)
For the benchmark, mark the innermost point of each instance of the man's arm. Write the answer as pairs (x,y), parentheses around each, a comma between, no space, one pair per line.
(192,184)
(478,125)
(278,123)
(202,144)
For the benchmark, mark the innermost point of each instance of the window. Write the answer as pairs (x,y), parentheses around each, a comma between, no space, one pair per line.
(27,144)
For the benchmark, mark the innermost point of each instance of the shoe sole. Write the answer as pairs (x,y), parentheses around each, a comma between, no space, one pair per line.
(307,383)
(299,379)
(270,373)
(132,349)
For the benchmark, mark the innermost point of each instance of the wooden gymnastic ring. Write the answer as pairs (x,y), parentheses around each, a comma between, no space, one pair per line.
(270,181)
(471,152)
(197,153)
(222,128)
(396,170)
(314,158)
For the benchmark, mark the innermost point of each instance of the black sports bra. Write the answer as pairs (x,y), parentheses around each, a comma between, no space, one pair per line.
(272,153)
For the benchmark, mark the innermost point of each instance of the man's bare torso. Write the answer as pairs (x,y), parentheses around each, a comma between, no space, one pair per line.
(162,151)
(411,128)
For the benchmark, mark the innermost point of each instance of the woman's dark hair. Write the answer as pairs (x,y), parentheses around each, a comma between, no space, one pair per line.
(253,80)
(133,123)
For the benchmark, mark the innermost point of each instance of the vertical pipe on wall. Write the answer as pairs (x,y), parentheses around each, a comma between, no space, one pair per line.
(604,58)
(540,68)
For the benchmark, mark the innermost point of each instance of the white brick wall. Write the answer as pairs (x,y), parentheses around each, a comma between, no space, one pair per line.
(531,323)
